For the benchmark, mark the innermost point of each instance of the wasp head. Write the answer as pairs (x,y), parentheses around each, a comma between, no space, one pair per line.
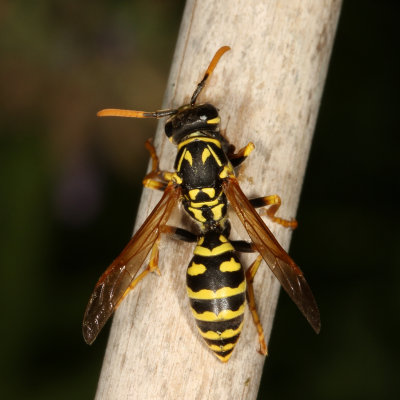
(202,118)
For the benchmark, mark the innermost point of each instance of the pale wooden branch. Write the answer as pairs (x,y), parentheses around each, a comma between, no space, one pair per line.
(268,89)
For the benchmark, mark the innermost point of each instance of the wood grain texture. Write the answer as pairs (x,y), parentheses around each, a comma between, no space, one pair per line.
(268,89)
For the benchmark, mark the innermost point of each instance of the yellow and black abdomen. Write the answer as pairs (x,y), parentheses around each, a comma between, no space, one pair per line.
(216,287)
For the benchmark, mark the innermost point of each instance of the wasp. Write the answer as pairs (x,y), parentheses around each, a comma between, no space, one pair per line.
(204,182)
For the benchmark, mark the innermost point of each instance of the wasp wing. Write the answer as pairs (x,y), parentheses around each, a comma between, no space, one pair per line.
(114,282)
(280,263)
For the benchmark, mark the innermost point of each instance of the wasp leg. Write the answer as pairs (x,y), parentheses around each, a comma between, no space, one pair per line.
(237,158)
(250,273)
(274,202)
(152,266)
(248,247)
(155,179)
(243,247)
(179,234)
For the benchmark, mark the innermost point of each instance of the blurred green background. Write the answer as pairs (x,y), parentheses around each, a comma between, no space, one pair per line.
(68,190)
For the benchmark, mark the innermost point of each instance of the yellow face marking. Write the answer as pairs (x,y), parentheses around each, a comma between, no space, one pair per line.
(196,269)
(188,157)
(230,266)
(193,193)
(197,214)
(222,316)
(199,204)
(207,294)
(216,251)
(206,153)
(215,156)
(222,335)
(203,139)
(215,120)
(217,212)
(210,192)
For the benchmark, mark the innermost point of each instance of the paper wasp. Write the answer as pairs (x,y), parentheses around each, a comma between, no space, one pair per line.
(204,181)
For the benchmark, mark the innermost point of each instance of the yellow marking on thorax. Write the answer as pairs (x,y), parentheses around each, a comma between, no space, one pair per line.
(222,239)
(221,335)
(216,251)
(200,138)
(226,171)
(188,157)
(196,269)
(193,193)
(210,192)
(207,294)
(230,266)
(217,211)
(206,153)
(224,315)
(200,204)
(176,178)
(215,156)
(197,214)
(180,160)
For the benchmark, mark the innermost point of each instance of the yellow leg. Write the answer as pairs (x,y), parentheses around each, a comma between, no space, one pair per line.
(155,179)
(274,202)
(152,266)
(237,158)
(250,273)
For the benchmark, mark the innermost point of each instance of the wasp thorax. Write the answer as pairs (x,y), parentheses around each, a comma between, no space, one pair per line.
(192,118)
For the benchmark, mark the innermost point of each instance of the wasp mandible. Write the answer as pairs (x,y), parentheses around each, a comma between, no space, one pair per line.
(204,182)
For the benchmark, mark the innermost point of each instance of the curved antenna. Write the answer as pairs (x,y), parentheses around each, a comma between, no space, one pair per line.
(209,71)
(115,112)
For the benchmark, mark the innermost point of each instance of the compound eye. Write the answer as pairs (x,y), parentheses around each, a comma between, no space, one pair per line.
(168,129)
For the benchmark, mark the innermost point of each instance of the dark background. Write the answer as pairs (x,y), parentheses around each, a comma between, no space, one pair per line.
(68,191)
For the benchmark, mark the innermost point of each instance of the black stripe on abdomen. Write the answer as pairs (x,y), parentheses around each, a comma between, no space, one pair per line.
(217,305)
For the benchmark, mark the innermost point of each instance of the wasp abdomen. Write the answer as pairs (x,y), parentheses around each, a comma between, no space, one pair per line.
(216,287)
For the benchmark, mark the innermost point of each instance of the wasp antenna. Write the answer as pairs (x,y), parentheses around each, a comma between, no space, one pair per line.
(115,112)
(209,71)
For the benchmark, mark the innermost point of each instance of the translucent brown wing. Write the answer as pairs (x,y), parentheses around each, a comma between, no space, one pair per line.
(118,276)
(283,267)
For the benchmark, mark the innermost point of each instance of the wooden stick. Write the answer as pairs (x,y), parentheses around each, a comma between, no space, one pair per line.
(268,89)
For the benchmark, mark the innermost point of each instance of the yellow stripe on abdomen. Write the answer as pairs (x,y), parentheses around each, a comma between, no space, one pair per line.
(207,294)
(222,316)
